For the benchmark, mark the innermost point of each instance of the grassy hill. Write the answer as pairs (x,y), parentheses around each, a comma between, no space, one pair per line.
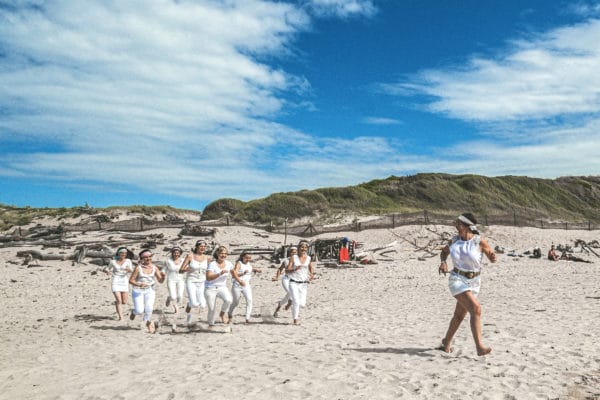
(566,198)
(572,199)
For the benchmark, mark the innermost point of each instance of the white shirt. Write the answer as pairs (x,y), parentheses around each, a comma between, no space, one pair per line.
(302,274)
(173,269)
(197,271)
(221,280)
(244,273)
(466,254)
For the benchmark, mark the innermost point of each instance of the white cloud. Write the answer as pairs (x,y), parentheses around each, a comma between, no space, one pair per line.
(342,8)
(553,74)
(380,121)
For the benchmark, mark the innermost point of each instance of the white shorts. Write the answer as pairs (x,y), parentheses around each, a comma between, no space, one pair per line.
(459,284)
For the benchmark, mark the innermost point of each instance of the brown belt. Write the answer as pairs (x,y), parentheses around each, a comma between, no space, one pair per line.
(467,274)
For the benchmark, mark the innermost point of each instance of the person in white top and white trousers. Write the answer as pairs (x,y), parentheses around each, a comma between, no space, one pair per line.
(216,285)
(241,274)
(300,270)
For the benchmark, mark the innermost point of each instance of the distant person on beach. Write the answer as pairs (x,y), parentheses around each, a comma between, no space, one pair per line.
(119,269)
(552,254)
(175,282)
(300,270)
(143,279)
(466,250)
(216,286)
(285,281)
(240,278)
(195,265)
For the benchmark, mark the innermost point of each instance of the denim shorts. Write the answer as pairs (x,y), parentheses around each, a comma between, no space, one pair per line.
(459,284)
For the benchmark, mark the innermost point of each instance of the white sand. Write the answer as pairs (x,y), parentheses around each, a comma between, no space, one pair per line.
(366,333)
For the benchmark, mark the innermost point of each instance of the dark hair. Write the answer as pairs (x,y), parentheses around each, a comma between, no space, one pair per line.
(198,243)
(470,217)
(119,250)
(244,253)
(144,251)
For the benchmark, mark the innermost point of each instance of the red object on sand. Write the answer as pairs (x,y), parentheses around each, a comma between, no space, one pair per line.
(344,256)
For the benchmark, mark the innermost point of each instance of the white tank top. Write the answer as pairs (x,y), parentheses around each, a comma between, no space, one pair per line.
(302,274)
(197,272)
(148,279)
(173,269)
(244,272)
(466,254)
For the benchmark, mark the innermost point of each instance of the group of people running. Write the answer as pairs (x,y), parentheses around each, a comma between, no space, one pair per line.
(205,278)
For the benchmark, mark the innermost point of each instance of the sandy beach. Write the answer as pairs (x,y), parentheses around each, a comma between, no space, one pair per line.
(368,331)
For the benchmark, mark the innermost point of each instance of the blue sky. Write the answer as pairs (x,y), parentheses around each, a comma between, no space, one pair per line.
(183,102)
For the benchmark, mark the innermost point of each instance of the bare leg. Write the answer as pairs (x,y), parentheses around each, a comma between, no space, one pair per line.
(118,305)
(277,309)
(468,301)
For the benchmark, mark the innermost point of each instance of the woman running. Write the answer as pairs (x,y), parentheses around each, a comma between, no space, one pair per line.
(285,281)
(143,279)
(195,265)
(216,285)
(466,250)
(300,271)
(241,274)
(118,269)
(175,282)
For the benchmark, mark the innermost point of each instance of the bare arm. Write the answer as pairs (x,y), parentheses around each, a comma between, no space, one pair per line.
(133,277)
(443,268)
(185,265)
(235,275)
(311,271)
(487,250)
(160,276)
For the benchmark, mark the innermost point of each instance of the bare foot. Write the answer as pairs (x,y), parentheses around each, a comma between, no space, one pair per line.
(223,319)
(150,327)
(248,322)
(288,305)
(277,310)
(484,351)
(446,347)
(168,303)
(296,322)
(132,316)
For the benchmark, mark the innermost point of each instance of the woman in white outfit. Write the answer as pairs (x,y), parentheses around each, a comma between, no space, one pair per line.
(118,269)
(216,285)
(175,282)
(241,274)
(195,265)
(143,279)
(300,271)
(285,281)
(466,250)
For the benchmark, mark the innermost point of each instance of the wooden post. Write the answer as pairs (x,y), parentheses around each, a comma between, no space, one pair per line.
(542,223)
(393,221)
(566,226)
(141,224)
(589,225)
(285,231)
(514,218)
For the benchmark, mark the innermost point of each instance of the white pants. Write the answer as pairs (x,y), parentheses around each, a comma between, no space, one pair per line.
(237,292)
(176,287)
(285,282)
(211,294)
(298,295)
(195,291)
(143,302)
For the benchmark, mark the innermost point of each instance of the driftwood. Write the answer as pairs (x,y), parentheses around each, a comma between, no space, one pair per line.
(78,255)
(197,230)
